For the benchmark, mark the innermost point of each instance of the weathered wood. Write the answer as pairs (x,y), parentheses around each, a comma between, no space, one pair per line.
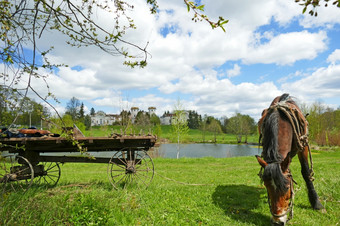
(93,144)
(83,159)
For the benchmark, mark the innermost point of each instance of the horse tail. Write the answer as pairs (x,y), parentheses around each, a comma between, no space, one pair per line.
(271,150)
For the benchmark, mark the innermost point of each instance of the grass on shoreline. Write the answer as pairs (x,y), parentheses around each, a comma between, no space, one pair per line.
(194,135)
(231,195)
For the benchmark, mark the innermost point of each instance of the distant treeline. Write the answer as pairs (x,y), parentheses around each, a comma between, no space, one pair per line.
(324,122)
(324,125)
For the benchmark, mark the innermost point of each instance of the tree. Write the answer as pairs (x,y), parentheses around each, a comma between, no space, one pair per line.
(143,120)
(194,120)
(248,127)
(125,120)
(324,124)
(92,112)
(81,114)
(155,120)
(72,108)
(87,122)
(225,121)
(8,108)
(179,125)
(241,125)
(214,126)
(203,127)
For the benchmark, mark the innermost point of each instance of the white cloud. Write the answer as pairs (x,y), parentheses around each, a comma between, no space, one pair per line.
(234,71)
(334,57)
(327,16)
(288,48)
(322,83)
(221,97)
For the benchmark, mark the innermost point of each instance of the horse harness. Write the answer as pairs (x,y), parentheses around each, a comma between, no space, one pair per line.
(299,125)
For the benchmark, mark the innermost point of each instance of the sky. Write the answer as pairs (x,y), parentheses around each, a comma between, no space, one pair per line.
(269,48)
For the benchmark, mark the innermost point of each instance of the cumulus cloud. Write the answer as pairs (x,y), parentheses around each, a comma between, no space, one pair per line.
(288,48)
(334,57)
(234,71)
(327,16)
(322,83)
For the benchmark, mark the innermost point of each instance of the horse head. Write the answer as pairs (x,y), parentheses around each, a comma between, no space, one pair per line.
(278,182)
(276,133)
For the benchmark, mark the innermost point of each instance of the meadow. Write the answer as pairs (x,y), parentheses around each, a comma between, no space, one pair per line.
(215,191)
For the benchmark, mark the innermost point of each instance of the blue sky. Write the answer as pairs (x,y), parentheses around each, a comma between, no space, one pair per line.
(269,48)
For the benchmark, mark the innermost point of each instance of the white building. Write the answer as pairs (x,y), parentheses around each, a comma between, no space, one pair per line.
(100,119)
(134,112)
(152,110)
(167,118)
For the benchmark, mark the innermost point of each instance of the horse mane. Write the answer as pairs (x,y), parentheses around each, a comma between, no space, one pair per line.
(270,154)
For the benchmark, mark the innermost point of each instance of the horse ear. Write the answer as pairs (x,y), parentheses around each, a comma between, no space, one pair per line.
(261,161)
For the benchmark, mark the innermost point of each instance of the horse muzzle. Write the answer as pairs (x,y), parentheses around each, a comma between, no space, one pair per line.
(279,221)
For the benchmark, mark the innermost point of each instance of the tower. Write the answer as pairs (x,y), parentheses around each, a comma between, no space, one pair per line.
(152,110)
(134,112)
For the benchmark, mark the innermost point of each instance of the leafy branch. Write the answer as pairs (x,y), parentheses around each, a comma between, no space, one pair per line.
(315,4)
(199,16)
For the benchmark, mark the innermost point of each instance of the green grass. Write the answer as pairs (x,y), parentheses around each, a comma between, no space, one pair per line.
(194,135)
(231,195)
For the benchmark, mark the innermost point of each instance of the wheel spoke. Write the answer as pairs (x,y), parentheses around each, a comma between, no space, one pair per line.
(118,175)
(137,169)
(50,174)
(15,176)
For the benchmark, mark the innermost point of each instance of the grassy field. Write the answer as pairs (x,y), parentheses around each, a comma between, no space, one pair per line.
(194,135)
(230,194)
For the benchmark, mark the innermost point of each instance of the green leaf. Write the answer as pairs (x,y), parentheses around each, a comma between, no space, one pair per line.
(201,7)
(224,22)
(304,10)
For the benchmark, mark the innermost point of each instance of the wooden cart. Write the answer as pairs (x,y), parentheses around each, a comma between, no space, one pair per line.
(28,160)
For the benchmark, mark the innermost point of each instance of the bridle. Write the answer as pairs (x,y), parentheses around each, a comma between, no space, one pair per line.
(289,211)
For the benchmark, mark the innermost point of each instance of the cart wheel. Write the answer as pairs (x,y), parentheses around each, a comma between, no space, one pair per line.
(16,174)
(129,167)
(47,173)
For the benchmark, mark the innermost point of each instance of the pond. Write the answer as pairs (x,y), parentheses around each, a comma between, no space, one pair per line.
(205,150)
(188,151)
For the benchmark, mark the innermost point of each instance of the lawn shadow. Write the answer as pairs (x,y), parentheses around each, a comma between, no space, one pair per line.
(239,201)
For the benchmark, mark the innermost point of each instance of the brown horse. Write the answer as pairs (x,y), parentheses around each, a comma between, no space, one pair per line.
(284,133)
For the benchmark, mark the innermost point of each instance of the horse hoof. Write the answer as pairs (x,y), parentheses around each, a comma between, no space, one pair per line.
(319,206)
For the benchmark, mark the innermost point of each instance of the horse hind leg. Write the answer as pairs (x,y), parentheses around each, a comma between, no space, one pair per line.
(306,173)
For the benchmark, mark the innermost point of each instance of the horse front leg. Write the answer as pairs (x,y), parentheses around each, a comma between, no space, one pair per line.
(306,173)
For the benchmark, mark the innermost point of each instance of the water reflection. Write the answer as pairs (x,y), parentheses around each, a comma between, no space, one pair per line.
(205,150)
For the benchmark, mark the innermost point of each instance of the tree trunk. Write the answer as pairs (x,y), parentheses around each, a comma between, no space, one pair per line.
(177,147)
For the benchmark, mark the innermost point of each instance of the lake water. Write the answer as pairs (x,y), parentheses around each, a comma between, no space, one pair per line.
(205,150)
(188,151)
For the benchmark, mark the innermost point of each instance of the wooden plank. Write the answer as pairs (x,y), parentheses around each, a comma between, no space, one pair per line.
(60,144)
(63,159)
